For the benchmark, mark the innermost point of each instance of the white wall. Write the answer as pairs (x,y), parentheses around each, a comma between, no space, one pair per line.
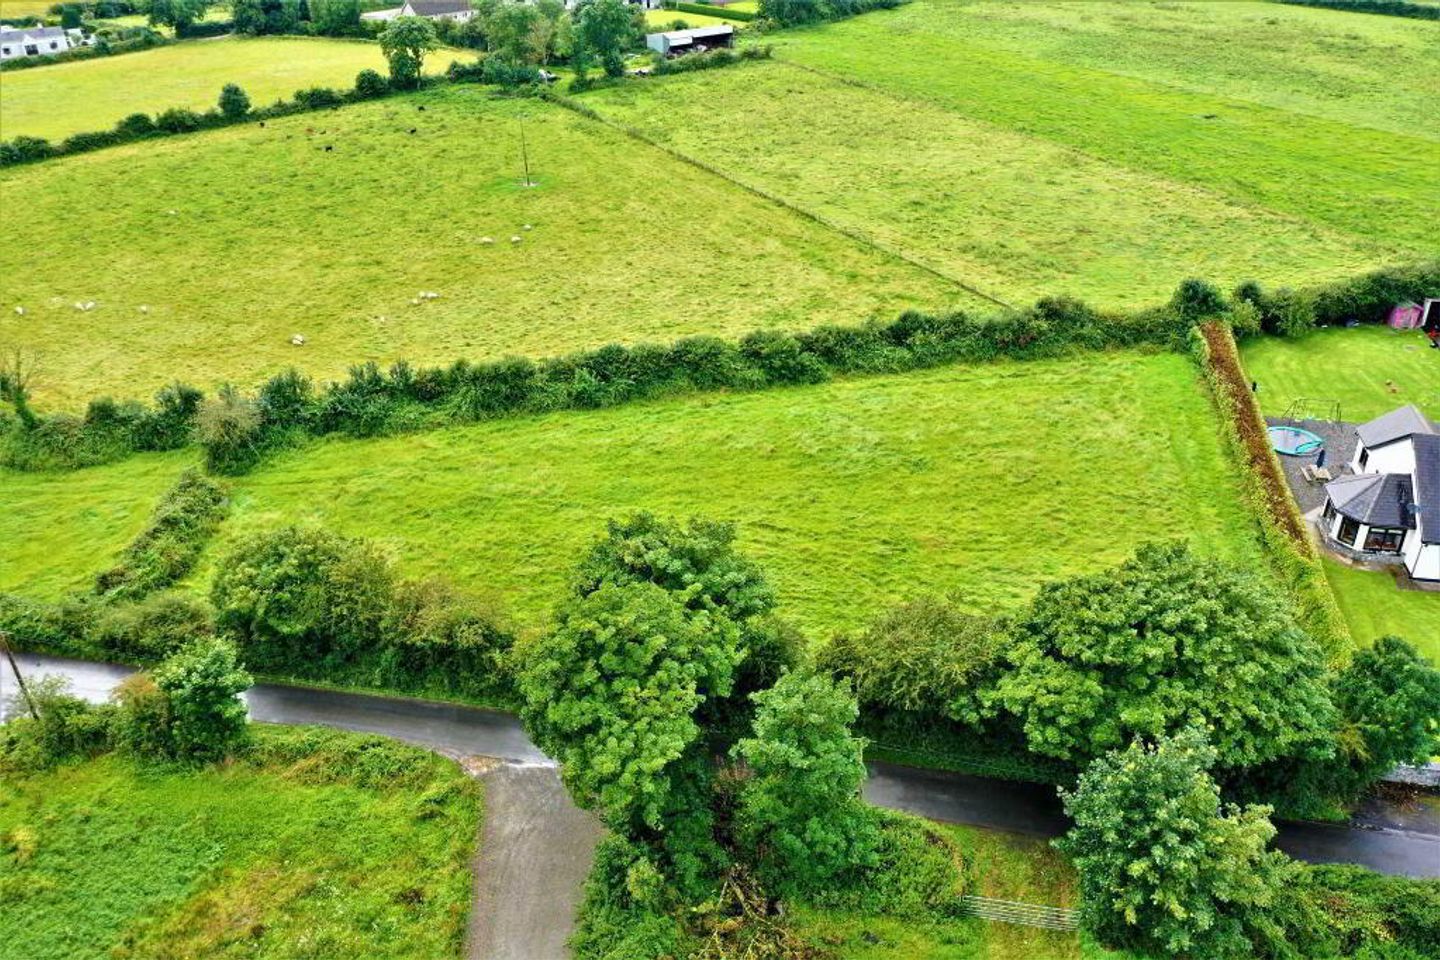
(1426,565)
(1395,457)
(12,49)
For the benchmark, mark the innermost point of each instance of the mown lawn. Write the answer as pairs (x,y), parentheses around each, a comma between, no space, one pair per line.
(1375,607)
(1213,95)
(312,855)
(56,101)
(1367,370)
(1014,215)
(235,240)
(982,480)
(998,864)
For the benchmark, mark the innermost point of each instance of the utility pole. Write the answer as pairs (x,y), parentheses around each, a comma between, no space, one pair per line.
(525,153)
(15,668)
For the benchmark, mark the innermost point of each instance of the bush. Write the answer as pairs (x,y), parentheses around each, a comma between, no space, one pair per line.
(437,641)
(229,429)
(166,550)
(234,104)
(1197,300)
(179,120)
(152,629)
(203,683)
(318,98)
(369,84)
(82,142)
(25,150)
(136,125)
(303,602)
(67,728)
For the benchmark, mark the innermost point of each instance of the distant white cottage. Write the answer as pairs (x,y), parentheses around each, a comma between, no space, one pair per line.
(1390,506)
(37,41)
(457,10)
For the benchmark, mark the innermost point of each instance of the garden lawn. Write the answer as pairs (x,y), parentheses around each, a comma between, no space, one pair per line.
(1368,370)
(980,480)
(1374,607)
(102,509)
(56,101)
(210,251)
(322,845)
(1322,118)
(1011,214)
(1003,865)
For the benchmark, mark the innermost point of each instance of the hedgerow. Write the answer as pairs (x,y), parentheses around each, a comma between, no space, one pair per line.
(710,60)
(167,549)
(1392,8)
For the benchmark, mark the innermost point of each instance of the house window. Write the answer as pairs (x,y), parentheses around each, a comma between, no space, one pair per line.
(1384,539)
(1349,529)
(1364,459)
(1329,515)
(53,45)
(31,50)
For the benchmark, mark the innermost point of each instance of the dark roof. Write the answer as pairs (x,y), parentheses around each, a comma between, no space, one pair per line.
(1377,499)
(1427,486)
(434,8)
(1407,421)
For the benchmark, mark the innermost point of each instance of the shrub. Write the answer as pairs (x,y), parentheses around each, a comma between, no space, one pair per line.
(471,72)
(234,104)
(81,142)
(152,629)
(924,657)
(229,429)
(203,683)
(318,98)
(179,120)
(67,728)
(502,73)
(1290,313)
(25,150)
(168,426)
(168,547)
(369,84)
(136,125)
(439,641)
(301,601)
(1197,300)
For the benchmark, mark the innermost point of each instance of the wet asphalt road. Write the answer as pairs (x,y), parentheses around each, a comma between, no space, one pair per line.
(1386,836)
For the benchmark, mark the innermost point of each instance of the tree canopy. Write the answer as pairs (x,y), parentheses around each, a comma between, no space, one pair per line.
(1165,641)
(405,41)
(1163,867)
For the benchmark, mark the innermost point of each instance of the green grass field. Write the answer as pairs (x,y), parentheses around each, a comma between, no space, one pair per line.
(25,8)
(1367,370)
(983,480)
(1211,95)
(293,859)
(1003,865)
(1374,607)
(271,236)
(1014,215)
(56,101)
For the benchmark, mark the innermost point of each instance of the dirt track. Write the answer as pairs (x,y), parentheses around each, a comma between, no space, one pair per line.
(535,850)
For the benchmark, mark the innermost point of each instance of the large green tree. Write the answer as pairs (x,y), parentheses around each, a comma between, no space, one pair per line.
(405,41)
(604,30)
(1389,702)
(1165,641)
(1164,868)
(178,14)
(612,694)
(800,811)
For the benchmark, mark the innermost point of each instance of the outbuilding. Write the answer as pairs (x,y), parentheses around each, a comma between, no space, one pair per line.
(673,43)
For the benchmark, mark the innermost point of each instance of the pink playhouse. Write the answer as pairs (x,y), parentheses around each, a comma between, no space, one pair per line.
(1406,316)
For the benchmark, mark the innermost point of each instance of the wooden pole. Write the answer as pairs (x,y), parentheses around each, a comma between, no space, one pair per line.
(15,668)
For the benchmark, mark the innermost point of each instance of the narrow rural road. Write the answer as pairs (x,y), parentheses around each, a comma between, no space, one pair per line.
(1385,836)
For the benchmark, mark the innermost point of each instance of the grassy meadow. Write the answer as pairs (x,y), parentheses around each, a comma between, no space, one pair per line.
(998,864)
(1368,370)
(25,8)
(294,853)
(979,480)
(1014,215)
(233,241)
(56,101)
(1303,118)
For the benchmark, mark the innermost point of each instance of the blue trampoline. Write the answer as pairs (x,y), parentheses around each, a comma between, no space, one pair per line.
(1294,442)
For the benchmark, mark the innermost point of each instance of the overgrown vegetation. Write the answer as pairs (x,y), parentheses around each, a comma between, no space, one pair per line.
(167,549)
(118,857)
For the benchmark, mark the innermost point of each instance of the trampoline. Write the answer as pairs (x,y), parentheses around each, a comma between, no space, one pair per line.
(1294,442)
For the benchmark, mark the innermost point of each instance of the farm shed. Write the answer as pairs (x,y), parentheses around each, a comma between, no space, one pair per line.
(1406,316)
(675,42)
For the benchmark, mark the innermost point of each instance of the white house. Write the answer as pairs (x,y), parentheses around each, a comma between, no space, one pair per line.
(457,10)
(37,41)
(1389,507)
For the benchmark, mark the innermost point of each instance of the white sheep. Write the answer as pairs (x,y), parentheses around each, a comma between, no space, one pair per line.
(20,311)
(515,239)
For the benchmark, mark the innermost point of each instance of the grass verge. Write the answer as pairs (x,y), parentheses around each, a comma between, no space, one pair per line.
(313,843)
